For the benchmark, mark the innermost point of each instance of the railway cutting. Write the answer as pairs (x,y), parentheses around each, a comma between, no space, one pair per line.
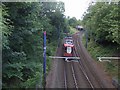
(73,68)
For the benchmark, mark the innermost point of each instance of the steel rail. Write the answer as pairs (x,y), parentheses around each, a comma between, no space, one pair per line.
(73,74)
(65,76)
(86,62)
(83,71)
(81,68)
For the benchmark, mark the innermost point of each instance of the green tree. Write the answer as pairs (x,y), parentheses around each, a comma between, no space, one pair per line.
(73,22)
(20,60)
(22,27)
(102,23)
(54,11)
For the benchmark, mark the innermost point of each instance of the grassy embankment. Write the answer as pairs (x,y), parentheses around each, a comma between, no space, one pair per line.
(97,50)
(73,30)
(51,50)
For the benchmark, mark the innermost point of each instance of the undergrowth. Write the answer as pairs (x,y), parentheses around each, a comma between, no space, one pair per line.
(97,50)
(51,50)
(73,30)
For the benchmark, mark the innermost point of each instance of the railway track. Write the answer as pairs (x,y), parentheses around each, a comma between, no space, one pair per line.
(69,76)
(65,78)
(84,64)
(75,76)
(83,73)
(85,76)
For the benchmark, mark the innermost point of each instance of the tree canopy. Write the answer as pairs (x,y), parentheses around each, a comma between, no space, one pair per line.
(102,22)
(22,26)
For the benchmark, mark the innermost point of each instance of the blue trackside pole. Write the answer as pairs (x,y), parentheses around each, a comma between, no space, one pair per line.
(44,58)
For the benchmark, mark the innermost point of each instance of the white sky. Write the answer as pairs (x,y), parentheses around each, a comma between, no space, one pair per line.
(75,8)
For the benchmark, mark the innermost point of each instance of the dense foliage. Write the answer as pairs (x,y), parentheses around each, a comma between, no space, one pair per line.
(22,26)
(73,22)
(102,34)
(102,23)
